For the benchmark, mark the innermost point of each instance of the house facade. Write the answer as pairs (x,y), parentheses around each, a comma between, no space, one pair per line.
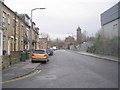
(9,26)
(43,43)
(26,32)
(16,30)
(13,30)
(15,34)
(1,31)
(1,41)
(69,41)
(110,21)
(35,37)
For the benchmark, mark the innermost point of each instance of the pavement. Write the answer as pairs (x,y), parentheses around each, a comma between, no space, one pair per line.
(23,68)
(18,70)
(104,57)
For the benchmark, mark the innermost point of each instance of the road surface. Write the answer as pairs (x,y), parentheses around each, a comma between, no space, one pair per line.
(71,70)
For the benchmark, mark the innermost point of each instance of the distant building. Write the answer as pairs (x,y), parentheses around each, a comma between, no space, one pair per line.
(110,21)
(43,43)
(69,41)
(79,36)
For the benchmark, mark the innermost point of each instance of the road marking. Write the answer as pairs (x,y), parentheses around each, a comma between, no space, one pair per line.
(9,74)
(47,77)
(23,77)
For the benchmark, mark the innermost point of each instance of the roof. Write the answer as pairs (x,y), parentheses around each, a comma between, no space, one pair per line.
(13,12)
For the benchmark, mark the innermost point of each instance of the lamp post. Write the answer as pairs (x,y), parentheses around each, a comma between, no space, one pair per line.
(32,28)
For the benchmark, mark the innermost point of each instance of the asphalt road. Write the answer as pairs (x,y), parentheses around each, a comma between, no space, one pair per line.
(71,70)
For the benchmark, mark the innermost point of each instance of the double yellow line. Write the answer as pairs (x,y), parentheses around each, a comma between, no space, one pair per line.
(22,77)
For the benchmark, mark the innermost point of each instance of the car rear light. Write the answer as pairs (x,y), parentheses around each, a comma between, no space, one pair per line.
(45,55)
(32,54)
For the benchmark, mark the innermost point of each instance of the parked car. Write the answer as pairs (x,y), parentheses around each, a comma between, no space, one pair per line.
(39,55)
(49,51)
(54,48)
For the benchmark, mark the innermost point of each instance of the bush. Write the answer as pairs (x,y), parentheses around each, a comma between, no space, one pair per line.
(105,46)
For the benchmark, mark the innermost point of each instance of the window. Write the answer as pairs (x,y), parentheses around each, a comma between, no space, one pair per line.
(4,42)
(27,32)
(3,20)
(39,51)
(115,26)
(8,21)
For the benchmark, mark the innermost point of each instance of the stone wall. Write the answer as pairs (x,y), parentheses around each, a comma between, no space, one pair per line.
(11,59)
(0,63)
(5,61)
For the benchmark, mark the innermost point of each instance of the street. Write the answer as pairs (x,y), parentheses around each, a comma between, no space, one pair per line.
(68,69)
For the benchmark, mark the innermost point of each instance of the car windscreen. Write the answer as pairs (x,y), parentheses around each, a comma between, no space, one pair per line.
(39,51)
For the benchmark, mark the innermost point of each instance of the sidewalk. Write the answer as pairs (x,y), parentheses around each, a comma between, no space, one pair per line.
(18,70)
(111,58)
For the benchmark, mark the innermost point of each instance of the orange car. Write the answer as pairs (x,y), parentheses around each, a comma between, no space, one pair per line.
(39,55)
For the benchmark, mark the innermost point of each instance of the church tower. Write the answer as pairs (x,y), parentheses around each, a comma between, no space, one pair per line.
(79,36)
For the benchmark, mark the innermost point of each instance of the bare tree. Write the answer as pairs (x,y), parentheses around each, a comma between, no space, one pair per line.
(84,36)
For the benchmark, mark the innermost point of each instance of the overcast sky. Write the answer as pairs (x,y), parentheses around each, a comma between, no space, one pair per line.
(62,17)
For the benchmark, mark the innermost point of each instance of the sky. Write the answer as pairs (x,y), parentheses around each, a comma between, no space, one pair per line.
(61,18)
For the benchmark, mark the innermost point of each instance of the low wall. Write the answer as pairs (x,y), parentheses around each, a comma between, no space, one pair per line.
(11,59)
(5,61)
(0,63)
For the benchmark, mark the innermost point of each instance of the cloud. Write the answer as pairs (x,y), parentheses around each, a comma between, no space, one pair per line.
(64,16)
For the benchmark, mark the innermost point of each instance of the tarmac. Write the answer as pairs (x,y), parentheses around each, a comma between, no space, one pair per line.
(24,68)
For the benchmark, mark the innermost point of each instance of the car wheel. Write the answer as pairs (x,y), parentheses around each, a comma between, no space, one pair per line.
(32,61)
(45,61)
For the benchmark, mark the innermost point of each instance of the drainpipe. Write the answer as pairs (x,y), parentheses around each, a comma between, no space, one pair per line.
(15,32)
(1,24)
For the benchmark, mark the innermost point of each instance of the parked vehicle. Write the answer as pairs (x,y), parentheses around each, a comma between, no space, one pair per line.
(39,55)
(54,48)
(49,51)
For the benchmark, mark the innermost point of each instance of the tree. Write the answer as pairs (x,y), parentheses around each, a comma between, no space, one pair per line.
(84,36)
(44,35)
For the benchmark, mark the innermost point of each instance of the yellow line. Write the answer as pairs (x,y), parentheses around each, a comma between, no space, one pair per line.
(22,77)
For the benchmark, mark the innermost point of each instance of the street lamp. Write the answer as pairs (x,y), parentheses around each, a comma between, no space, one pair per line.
(32,28)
